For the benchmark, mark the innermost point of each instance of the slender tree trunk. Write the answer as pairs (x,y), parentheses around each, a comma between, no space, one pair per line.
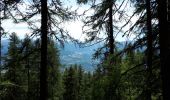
(110,95)
(43,68)
(111,39)
(149,50)
(0,44)
(28,75)
(0,50)
(164,39)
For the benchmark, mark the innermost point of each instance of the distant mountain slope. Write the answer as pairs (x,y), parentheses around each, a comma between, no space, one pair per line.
(70,54)
(73,54)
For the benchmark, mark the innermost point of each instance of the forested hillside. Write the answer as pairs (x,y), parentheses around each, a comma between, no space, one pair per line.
(69,55)
(50,63)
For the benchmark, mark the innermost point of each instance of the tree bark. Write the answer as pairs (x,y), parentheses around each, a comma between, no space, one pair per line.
(0,47)
(111,94)
(43,69)
(149,50)
(164,40)
(111,39)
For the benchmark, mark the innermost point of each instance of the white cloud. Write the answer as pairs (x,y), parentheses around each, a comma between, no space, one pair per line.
(21,28)
(75,29)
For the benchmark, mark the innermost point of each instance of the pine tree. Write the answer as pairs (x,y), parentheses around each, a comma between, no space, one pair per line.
(27,53)
(54,75)
(87,86)
(14,70)
(70,85)
(43,68)
(99,83)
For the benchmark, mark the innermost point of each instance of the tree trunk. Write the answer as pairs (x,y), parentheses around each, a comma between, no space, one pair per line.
(0,51)
(43,69)
(149,50)
(111,39)
(28,75)
(110,94)
(164,39)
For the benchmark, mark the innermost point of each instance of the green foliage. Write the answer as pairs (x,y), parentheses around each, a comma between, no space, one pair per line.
(54,75)
(14,71)
(120,76)
(21,70)
(77,84)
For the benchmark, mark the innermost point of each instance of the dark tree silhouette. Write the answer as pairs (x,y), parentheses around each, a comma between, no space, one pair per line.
(149,49)
(164,39)
(111,39)
(43,69)
(0,36)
